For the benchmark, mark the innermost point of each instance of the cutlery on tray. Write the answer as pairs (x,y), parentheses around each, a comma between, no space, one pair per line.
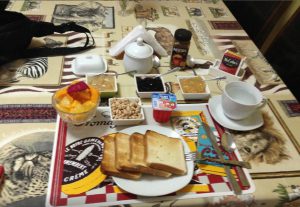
(232,181)
(194,156)
(229,146)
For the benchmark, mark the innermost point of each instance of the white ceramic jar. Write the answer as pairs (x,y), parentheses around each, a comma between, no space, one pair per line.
(138,57)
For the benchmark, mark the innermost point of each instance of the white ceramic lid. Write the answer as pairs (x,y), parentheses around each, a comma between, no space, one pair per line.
(139,49)
(89,65)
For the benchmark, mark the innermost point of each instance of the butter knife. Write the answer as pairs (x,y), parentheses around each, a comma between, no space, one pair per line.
(234,184)
(225,162)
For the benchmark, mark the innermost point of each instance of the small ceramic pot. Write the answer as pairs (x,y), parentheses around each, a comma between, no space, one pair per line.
(138,57)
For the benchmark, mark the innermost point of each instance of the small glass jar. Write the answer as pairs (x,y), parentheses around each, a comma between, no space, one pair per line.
(182,38)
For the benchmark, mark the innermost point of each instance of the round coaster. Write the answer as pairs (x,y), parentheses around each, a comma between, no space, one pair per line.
(82,165)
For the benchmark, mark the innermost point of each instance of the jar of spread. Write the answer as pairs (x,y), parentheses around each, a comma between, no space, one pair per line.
(180,48)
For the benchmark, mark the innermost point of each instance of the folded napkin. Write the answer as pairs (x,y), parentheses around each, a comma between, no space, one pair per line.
(138,31)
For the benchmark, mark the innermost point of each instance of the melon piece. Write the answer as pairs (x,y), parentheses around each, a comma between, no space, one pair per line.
(66,102)
(94,95)
(88,105)
(78,107)
(60,94)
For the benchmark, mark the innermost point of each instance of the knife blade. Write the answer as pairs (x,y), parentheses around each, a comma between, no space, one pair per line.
(234,184)
(225,162)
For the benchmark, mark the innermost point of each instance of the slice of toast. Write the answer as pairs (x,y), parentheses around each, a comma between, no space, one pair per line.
(138,155)
(122,144)
(165,153)
(108,164)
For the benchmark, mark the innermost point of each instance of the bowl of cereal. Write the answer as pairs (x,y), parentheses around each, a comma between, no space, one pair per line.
(193,87)
(76,103)
(126,111)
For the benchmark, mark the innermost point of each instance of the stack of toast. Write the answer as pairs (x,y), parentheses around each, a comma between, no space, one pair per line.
(130,156)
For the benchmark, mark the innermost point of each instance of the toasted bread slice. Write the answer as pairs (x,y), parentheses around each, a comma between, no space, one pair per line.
(138,154)
(165,153)
(108,164)
(122,143)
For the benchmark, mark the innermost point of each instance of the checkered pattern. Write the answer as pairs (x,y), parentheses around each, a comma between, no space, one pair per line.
(109,193)
(217,183)
(105,194)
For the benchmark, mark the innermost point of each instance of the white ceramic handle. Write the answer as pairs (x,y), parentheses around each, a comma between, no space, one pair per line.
(263,103)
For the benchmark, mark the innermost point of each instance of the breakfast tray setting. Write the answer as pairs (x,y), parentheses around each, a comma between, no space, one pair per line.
(76,178)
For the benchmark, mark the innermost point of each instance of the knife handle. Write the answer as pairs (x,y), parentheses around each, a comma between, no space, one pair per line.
(238,163)
(232,181)
(242,177)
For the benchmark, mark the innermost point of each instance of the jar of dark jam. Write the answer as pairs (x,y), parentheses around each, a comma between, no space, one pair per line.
(149,84)
(182,38)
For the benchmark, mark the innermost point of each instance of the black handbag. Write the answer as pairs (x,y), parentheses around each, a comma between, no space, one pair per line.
(17,31)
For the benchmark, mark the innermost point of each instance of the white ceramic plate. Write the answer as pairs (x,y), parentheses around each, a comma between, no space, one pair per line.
(216,110)
(151,185)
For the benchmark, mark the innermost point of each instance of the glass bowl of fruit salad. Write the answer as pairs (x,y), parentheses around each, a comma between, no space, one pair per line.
(76,103)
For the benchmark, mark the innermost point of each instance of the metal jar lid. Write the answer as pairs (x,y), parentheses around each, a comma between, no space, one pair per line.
(183,35)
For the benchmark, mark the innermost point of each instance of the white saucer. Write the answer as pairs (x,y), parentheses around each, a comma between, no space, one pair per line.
(216,110)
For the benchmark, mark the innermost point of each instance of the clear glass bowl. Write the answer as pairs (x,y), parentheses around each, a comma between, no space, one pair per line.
(75,118)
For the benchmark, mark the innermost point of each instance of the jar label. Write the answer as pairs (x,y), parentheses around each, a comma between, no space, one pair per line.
(178,57)
(166,102)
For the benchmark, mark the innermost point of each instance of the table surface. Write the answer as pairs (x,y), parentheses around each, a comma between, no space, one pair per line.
(28,121)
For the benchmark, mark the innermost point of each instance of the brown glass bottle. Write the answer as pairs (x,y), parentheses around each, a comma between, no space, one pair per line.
(182,38)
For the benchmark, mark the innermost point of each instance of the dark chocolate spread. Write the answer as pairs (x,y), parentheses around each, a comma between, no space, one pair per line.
(145,84)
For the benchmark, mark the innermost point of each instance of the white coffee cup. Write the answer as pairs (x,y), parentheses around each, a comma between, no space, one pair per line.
(240,100)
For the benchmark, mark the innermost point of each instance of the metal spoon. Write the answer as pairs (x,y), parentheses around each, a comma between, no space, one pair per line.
(211,79)
(128,72)
(191,62)
(170,71)
(227,142)
(229,145)
(216,78)
(156,62)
